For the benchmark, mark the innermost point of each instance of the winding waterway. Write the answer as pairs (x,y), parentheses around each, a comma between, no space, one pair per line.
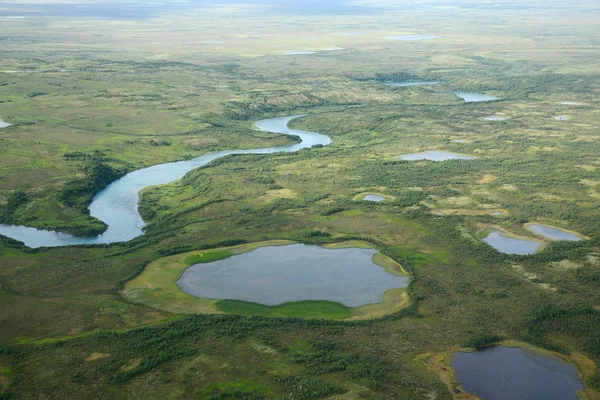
(117,204)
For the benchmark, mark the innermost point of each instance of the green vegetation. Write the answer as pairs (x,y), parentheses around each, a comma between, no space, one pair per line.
(87,320)
(299,309)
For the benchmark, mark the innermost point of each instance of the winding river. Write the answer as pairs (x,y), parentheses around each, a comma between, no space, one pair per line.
(117,204)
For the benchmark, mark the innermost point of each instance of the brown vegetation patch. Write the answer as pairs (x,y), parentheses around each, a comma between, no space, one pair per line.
(271,195)
(590,168)
(4,383)
(439,364)
(464,211)
(97,356)
(131,364)
(487,178)
(565,265)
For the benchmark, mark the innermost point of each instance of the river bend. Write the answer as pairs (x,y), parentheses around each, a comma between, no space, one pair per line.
(117,204)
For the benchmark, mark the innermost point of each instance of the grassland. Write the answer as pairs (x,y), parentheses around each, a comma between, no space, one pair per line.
(116,94)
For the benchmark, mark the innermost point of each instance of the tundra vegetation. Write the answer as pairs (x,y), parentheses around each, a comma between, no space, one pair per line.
(92,97)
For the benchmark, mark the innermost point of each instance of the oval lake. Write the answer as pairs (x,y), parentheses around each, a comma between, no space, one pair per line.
(280,274)
(511,245)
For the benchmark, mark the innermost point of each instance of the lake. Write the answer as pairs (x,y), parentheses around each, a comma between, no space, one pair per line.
(296,53)
(279,274)
(552,233)
(495,118)
(117,204)
(353,34)
(469,97)
(504,373)
(573,103)
(511,245)
(413,37)
(434,155)
(373,197)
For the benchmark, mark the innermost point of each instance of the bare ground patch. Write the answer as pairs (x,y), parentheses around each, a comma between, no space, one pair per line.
(97,356)
(131,364)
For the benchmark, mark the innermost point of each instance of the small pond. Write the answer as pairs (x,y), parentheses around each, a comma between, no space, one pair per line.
(275,275)
(413,37)
(562,118)
(573,103)
(504,373)
(411,83)
(3,124)
(373,197)
(474,97)
(460,141)
(434,155)
(495,118)
(296,53)
(511,245)
(552,233)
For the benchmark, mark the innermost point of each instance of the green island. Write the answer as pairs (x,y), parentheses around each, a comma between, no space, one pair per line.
(94,90)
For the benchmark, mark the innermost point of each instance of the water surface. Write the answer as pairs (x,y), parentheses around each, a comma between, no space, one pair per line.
(413,37)
(562,118)
(434,155)
(373,197)
(469,97)
(117,204)
(297,52)
(275,275)
(552,233)
(503,373)
(3,124)
(511,245)
(573,103)
(495,118)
